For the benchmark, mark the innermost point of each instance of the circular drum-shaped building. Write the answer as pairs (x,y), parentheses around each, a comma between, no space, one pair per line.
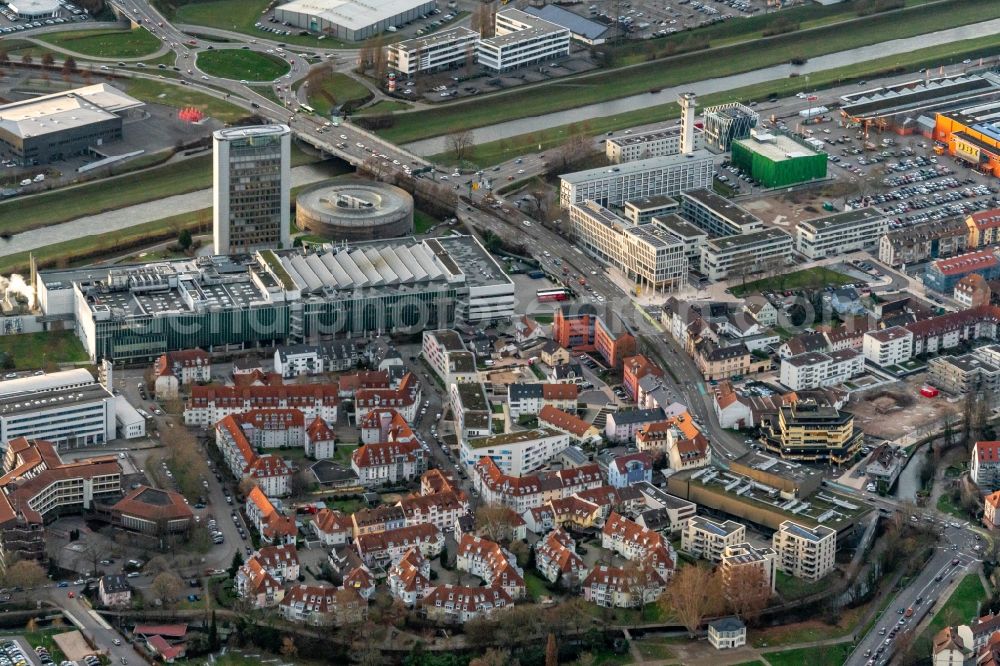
(354,210)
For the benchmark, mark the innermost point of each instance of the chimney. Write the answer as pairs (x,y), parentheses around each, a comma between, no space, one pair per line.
(688,102)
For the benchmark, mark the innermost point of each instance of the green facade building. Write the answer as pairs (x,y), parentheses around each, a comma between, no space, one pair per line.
(775,160)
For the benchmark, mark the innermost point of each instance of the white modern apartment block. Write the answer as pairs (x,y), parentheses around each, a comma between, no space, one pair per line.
(658,143)
(521,39)
(708,539)
(734,254)
(616,184)
(812,370)
(69,409)
(448,48)
(805,552)
(445,352)
(473,414)
(251,184)
(888,346)
(647,254)
(841,233)
(516,453)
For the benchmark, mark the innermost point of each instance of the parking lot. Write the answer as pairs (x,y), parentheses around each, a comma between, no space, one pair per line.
(657,18)
(10,22)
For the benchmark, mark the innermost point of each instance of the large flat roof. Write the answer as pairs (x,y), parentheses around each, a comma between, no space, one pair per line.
(64,110)
(777,147)
(429,41)
(634,167)
(535,28)
(846,218)
(352,14)
(722,206)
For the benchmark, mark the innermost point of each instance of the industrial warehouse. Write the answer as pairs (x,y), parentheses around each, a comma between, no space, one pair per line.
(224,303)
(53,127)
(350,19)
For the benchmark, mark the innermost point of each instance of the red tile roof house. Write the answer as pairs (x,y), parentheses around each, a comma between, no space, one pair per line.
(985,465)
(322,605)
(166,640)
(332,527)
(405,399)
(180,368)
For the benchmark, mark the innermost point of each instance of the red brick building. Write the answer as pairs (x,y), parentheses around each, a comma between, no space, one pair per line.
(589,333)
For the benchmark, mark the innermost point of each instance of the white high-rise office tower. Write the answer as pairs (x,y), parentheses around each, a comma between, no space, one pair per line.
(251,182)
(688,102)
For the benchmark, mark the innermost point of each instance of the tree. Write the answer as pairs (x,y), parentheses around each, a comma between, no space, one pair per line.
(288,647)
(69,66)
(495,521)
(237,562)
(494,657)
(26,59)
(551,651)
(747,592)
(4,57)
(166,587)
(693,594)
(47,59)
(459,144)
(24,574)
(247,484)
(184,240)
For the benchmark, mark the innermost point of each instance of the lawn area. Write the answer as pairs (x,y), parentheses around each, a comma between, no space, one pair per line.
(239,64)
(133,43)
(422,222)
(654,649)
(535,586)
(945,505)
(31,351)
(385,106)
(750,663)
(168,94)
(347,506)
(810,278)
(44,637)
(239,16)
(597,87)
(826,655)
(791,587)
(961,607)
(334,90)
(343,453)
(808,630)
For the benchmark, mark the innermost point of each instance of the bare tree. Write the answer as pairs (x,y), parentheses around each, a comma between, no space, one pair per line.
(693,594)
(459,144)
(69,66)
(48,60)
(495,521)
(26,59)
(24,574)
(288,646)
(166,587)
(747,592)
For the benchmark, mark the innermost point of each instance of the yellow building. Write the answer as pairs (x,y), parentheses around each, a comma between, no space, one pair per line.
(812,430)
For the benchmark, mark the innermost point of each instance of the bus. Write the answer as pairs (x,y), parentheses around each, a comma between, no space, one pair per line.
(307,108)
(549,295)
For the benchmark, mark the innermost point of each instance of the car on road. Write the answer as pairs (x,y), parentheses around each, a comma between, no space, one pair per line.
(117,641)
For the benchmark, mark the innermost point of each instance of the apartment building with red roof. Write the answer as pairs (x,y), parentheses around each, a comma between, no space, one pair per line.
(320,441)
(272,525)
(153,512)
(410,578)
(984,228)
(635,542)
(458,604)
(491,562)
(521,493)
(635,368)
(208,405)
(405,399)
(180,368)
(439,509)
(557,560)
(580,431)
(616,587)
(383,549)
(268,471)
(388,462)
